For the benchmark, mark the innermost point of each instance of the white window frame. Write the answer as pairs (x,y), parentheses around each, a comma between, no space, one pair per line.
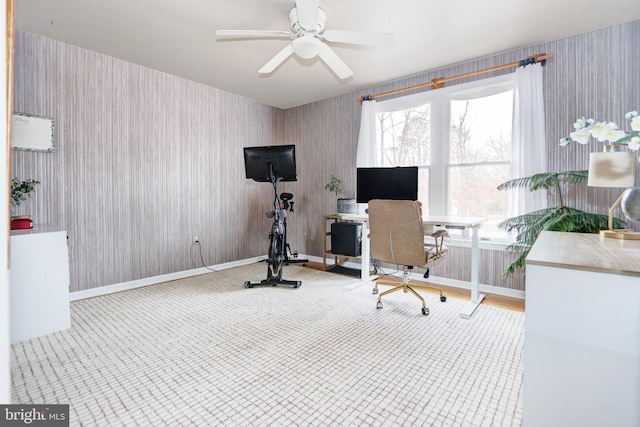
(439,99)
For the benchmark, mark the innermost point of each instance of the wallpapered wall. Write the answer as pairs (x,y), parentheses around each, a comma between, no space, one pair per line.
(145,161)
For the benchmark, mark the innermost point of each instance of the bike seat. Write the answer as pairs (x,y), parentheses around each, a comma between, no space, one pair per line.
(286,196)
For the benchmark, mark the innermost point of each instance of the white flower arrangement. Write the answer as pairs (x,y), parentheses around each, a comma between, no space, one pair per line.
(605,132)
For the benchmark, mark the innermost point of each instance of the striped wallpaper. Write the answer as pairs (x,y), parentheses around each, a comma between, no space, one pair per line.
(145,161)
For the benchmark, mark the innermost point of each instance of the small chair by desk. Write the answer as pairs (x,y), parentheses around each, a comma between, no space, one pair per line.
(397,237)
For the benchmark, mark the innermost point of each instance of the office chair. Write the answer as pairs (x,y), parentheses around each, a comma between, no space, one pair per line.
(397,237)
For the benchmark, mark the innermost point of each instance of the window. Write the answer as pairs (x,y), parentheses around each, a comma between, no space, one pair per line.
(460,138)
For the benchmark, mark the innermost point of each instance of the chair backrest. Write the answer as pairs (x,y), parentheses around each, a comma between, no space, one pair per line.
(396,232)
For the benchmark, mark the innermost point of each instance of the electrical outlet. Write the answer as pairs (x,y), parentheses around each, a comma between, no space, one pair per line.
(195,240)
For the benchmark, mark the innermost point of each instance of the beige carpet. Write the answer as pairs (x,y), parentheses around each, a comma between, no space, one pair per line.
(206,351)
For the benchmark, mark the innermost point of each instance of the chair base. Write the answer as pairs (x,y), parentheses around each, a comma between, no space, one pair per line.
(406,286)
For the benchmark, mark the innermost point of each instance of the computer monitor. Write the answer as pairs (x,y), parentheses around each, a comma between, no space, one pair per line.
(279,160)
(399,183)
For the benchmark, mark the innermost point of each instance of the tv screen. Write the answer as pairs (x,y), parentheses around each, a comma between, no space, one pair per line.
(260,162)
(400,183)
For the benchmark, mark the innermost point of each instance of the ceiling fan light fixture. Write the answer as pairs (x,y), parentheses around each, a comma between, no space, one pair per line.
(310,40)
(307,46)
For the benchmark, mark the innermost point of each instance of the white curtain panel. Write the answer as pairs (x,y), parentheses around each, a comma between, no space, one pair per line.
(366,153)
(528,155)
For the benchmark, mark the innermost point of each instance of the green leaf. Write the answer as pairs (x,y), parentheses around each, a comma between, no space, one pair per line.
(578,221)
(545,181)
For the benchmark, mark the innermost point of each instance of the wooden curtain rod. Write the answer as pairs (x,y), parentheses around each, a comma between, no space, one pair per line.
(439,82)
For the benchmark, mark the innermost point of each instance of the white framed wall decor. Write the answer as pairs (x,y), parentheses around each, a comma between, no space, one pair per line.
(32,133)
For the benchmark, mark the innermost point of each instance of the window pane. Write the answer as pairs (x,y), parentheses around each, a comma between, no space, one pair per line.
(473,192)
(481,129)
(404,137)
(469,151)
(479,158)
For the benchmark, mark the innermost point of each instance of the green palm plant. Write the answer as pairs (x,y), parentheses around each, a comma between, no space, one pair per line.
(527,227)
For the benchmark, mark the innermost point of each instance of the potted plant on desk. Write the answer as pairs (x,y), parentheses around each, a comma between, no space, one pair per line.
(345,205)
(20,191)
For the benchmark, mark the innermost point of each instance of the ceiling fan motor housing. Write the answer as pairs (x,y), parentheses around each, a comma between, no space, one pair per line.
(297,28)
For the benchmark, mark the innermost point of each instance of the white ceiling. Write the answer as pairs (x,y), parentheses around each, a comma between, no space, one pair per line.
(178,37)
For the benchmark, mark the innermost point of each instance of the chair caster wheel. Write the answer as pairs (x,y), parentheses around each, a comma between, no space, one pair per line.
(443,298)
(379,305)
(248,285)
(425,311)
(374,291)
(297,285)
(426,274)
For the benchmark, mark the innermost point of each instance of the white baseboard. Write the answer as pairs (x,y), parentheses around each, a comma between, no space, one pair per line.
(125,286)
(483,289)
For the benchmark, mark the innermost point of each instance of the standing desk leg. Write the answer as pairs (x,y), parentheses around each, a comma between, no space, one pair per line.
(476,296)
(366,252)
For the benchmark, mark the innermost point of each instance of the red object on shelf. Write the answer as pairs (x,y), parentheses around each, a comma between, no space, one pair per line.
(21,223)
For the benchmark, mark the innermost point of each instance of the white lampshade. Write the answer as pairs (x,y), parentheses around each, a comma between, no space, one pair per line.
(612,169)
(306,47)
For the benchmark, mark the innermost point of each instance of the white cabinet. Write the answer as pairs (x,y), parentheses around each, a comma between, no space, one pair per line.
(39,284)
(582,332)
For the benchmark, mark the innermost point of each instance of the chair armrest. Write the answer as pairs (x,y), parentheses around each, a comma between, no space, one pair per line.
(440,233)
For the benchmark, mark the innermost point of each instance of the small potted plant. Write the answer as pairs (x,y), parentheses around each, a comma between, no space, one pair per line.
(345,205)
(334,185)
(20,191)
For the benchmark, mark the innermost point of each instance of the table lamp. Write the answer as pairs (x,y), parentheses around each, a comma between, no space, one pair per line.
(614,169)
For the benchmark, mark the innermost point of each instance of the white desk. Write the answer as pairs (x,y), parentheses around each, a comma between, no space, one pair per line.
(451,222)
(582,332)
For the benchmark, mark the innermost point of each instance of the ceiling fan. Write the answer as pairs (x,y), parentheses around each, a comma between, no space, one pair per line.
(309,38)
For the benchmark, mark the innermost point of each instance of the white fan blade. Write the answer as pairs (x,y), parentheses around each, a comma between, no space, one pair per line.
(276,60)
(307,14)
(359,37)
(334,62)
(254,33)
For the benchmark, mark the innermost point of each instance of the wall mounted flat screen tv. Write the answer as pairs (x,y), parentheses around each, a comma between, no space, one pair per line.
(260,162)
(399,183)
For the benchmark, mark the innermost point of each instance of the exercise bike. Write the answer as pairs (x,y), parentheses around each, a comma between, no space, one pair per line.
(277,253)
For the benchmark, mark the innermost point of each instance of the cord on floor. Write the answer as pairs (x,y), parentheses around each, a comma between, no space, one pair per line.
(197,243)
